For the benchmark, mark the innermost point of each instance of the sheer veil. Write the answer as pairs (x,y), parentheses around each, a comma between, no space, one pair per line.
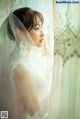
(14,40)
(13,34)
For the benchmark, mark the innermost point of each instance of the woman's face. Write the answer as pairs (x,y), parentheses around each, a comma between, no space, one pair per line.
(37,34)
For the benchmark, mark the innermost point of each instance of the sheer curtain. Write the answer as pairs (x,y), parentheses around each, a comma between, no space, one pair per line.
(5,8)
(66,77)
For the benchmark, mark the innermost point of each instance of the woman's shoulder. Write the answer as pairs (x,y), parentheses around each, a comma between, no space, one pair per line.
(21,72)
(20,68)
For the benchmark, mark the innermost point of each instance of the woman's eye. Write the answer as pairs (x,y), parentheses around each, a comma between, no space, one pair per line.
(37,28)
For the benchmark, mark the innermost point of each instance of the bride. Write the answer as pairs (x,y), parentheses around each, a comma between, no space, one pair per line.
(25,70)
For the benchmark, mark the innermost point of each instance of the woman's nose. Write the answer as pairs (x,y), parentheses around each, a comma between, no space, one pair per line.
(42,33)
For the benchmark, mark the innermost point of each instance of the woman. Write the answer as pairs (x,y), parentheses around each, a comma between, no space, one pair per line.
(25,66)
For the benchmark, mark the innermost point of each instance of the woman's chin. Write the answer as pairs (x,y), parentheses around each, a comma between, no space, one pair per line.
(39,45)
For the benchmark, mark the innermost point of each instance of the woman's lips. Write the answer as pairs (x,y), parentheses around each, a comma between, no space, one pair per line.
(41,40)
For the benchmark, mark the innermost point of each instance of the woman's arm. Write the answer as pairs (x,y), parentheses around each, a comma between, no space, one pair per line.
(26,89)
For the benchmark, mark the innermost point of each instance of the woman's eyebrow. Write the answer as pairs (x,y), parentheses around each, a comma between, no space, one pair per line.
(38,25)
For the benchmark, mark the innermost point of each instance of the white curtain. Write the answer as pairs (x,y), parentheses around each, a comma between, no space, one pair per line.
(5,8)
(66,77)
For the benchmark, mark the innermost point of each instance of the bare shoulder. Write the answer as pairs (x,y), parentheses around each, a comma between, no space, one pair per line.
(22,73)
(21,70)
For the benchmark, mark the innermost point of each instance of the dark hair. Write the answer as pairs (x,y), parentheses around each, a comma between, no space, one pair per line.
(28,17)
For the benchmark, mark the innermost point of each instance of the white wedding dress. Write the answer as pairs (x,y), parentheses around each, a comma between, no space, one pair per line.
(39,70)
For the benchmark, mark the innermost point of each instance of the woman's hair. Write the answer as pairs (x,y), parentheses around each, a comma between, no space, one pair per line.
(28,17)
